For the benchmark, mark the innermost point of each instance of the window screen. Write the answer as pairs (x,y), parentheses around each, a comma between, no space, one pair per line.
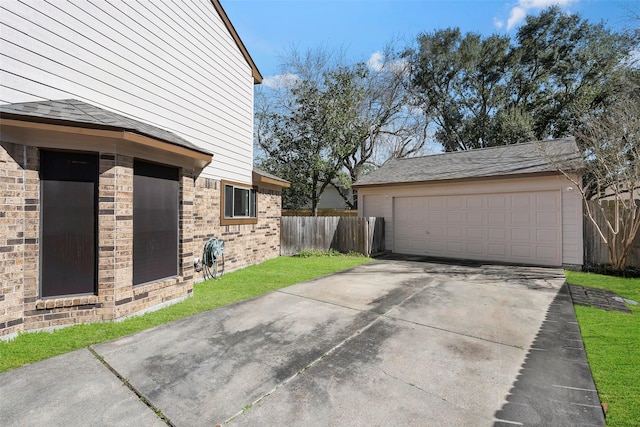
(68,185)
(155,222)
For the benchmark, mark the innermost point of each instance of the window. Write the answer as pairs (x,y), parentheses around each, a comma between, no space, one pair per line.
(238,205)
(155,222)
(69,200)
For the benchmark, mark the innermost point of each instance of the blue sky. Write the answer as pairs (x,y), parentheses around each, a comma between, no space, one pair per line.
(269,28)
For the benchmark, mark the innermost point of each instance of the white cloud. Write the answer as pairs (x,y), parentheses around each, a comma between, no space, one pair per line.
(516,16)
(376,61)
(520,10)
(280,81)
(541,4)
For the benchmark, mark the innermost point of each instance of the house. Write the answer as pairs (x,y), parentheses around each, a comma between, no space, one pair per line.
(125,144)
(503,204)
(331,198)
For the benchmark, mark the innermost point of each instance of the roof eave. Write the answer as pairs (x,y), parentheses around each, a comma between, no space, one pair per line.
(257,77)
(259,178)
(456,180)
(198,158)
(25,120)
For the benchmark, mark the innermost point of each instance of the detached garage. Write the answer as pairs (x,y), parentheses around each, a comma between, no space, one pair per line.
(506,204)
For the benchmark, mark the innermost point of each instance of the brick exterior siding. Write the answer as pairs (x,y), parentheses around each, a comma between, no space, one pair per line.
(244,244)
(19,234)
(21,309)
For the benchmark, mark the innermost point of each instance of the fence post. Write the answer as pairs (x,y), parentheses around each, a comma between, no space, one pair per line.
(367,239)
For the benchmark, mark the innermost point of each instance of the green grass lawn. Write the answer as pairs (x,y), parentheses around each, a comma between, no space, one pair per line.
(232,287)
(612,342)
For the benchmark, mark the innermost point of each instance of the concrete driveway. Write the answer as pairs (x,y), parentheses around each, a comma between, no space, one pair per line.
(392,342)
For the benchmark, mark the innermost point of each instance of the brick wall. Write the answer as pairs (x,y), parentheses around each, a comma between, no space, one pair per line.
(19,195)
(11,236)
(20,306)
(245,244)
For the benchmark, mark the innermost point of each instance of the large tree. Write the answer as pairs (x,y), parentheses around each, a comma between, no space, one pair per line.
(307,135)
(460,82)
(609,139)
(493,91)
(395,128)
(329,123)
(566,67)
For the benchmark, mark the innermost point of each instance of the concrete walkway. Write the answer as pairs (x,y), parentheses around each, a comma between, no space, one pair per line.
(391,342)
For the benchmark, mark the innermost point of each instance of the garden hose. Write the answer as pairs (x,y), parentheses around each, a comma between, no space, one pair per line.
(212,255)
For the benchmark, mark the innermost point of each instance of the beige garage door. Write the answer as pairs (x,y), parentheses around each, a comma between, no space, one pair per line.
(512,227)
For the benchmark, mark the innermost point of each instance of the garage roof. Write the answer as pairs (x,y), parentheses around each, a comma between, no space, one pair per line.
(515,159)
(72,112)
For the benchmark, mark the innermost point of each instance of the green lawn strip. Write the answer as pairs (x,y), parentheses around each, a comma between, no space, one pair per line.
(239,285)
(612,343)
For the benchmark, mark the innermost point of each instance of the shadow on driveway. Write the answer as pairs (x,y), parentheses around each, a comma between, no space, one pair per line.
(391,342)
(555,386)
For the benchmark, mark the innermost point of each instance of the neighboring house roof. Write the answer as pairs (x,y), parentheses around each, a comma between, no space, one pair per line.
(266,177)
(71,112)
(336,182)
(516,159)
(257,77)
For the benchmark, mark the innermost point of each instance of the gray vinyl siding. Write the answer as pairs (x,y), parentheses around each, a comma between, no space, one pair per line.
(172,64)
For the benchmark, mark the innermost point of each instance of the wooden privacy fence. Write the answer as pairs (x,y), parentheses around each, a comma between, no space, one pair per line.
(321,212)
(595,250)
(343,234)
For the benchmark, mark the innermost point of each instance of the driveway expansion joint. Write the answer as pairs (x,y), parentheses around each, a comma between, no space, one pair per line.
(519,347)
(410,384)
(320,301)
(130,386)
(444,399)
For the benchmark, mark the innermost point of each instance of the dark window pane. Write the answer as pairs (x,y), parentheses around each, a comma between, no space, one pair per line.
(228,201)
(155,222)
(240,202)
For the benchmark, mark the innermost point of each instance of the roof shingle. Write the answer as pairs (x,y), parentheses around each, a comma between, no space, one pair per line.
(531,157)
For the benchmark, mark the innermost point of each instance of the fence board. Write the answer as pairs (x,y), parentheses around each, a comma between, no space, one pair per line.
(595,250)
(343,234)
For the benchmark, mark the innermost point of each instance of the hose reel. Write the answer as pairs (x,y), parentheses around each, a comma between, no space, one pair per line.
(212,255)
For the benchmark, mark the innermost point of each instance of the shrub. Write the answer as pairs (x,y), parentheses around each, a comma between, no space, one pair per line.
(314,253)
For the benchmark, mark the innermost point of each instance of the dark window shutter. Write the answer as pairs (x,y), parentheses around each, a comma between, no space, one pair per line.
(155,222)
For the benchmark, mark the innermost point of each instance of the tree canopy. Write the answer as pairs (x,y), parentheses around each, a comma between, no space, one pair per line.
(330,122)
(489,91)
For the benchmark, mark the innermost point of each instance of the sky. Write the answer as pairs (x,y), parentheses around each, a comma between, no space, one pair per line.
(360,28)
